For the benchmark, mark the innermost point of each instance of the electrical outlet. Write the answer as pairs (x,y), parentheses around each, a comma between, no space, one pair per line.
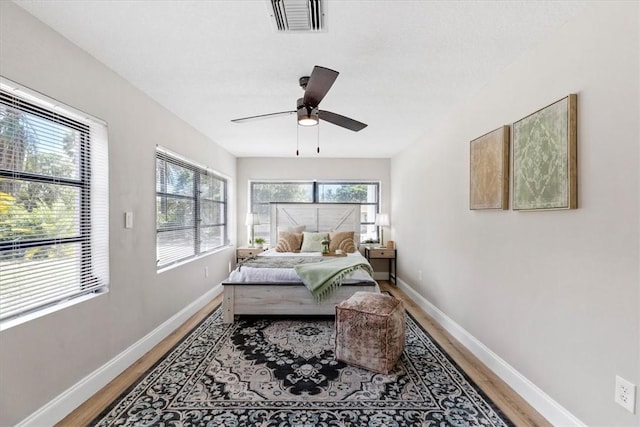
(625,394)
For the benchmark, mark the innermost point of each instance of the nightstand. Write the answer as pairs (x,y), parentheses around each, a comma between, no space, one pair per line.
(243,253)
(383,253)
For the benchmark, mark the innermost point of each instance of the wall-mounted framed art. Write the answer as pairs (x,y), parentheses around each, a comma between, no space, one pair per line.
(489,170)
(545,162)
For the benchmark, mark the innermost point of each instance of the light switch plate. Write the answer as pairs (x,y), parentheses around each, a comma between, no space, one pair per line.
(128,220)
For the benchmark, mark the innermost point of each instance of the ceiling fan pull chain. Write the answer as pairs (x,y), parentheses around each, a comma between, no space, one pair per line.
(318,137)
(297,140)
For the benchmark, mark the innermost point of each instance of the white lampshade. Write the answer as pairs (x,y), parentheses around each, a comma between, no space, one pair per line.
(252,219)
(382,220)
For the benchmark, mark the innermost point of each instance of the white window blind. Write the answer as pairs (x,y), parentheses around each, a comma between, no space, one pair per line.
(54,234)
(191,209)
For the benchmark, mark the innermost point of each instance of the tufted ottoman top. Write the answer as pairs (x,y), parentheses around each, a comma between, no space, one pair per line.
(372,303)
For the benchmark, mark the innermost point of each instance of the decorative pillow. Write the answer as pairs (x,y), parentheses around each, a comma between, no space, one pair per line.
(288,242)
(342,240)
(312,242)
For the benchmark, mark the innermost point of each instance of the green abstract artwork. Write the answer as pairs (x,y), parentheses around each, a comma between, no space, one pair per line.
(544,161)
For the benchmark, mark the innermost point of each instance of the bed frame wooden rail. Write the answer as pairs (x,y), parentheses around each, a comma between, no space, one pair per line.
(283,299)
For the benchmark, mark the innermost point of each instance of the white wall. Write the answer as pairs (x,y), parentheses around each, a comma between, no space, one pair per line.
(555,294)
(42,358)
(308,168)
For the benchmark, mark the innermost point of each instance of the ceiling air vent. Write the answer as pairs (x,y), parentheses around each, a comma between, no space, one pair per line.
(297,15)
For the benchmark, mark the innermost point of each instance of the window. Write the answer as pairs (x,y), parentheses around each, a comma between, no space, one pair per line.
(191,209)
(54,196)
(364,193)
(263,193)
(367,194)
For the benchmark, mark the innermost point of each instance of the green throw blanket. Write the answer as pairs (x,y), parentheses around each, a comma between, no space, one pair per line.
(322,277)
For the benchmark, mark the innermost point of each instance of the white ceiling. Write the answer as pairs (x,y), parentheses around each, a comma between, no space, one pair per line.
(403,64)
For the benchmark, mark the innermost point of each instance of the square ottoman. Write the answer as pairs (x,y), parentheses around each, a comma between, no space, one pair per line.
(370,330)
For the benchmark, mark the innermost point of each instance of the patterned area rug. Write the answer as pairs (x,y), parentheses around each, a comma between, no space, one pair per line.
(281,372)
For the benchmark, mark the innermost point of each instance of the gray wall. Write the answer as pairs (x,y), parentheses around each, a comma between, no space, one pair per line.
(555,294)
(42,358)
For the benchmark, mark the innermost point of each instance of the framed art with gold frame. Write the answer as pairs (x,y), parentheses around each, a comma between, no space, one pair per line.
(545,166)
(489,170)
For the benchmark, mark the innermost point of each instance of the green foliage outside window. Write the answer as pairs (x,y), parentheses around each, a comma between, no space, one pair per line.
(31,209)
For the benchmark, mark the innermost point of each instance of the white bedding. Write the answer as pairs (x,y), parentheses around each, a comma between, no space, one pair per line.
(287,275)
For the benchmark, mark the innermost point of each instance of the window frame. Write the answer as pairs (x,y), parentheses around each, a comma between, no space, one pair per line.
(196,222)
(83,183)
(92,276)
(316,199)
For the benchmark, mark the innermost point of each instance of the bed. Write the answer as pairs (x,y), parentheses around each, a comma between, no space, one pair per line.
(279,291)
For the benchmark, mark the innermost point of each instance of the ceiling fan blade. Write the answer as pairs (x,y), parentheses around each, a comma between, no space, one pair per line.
(319,83)
(343,121)
(262,116)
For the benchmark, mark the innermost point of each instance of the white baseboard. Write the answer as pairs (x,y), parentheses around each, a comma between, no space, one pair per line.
(538,399)
(70,399)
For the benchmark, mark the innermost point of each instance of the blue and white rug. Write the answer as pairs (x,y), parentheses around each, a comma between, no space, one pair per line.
(281,372)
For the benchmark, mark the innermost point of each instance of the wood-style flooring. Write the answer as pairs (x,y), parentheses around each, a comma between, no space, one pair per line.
(519,411)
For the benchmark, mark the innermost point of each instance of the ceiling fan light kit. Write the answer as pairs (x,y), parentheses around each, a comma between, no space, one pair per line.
(307,115)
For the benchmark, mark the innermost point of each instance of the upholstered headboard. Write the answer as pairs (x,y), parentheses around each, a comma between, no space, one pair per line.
(315,217)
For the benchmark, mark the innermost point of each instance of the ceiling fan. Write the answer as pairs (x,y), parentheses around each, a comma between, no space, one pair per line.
(315,88)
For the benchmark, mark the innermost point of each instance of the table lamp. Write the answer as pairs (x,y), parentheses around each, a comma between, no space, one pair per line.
(252,220)
(382,220)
